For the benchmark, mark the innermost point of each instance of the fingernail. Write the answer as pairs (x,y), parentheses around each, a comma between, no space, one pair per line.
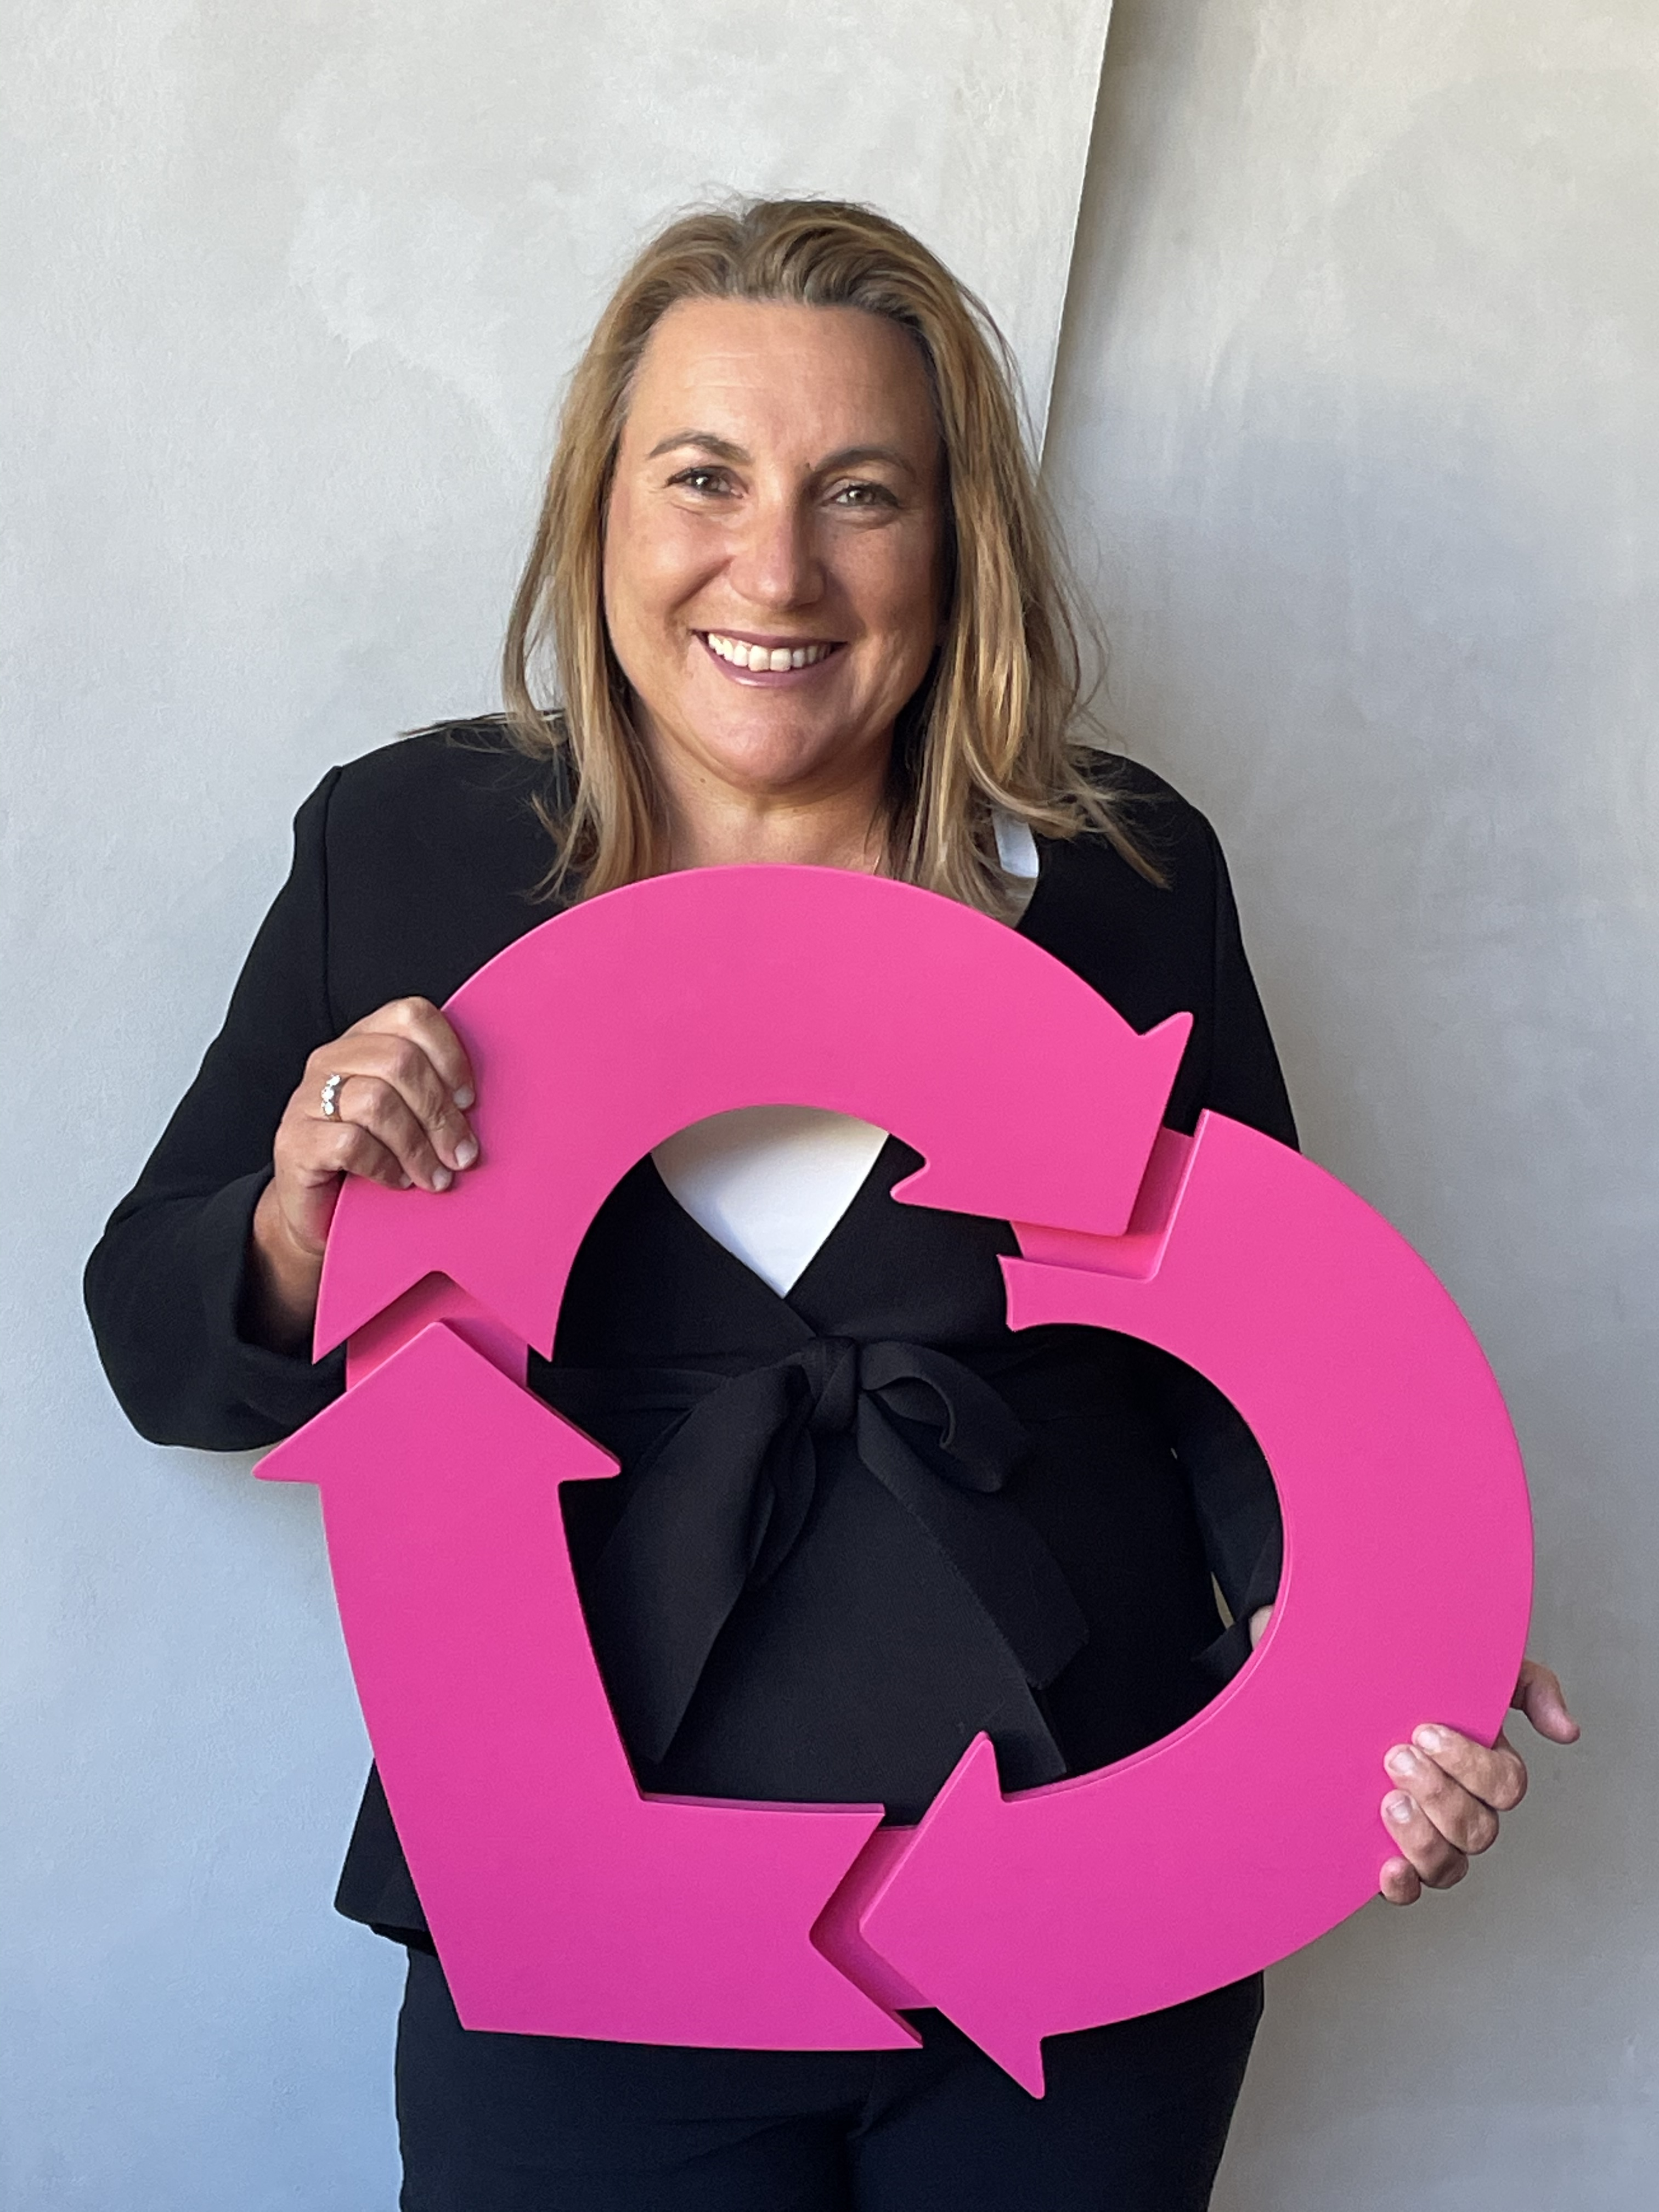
(463,1096)
(466,1151)
(1430,1739)
(1403,1762)
(441,1178)
(406,1183)
(1399,1809)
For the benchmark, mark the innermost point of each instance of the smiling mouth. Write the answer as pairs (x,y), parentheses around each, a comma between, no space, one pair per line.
(757,658)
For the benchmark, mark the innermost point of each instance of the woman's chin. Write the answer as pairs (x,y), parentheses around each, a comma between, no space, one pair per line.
(772,757)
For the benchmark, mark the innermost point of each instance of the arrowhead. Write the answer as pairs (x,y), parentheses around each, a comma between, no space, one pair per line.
(401,1404)
(560,1901)
(1070,1148)
(946,1917)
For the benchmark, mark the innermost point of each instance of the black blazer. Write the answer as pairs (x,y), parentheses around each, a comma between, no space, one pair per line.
(414,865)
(1130,1482)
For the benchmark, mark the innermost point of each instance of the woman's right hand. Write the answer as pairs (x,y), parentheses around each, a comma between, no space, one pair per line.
(400,1119)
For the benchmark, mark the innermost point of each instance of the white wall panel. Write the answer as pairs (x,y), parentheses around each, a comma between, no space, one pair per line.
(289,292)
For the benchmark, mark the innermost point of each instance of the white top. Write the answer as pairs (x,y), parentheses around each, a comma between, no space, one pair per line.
(770,1182)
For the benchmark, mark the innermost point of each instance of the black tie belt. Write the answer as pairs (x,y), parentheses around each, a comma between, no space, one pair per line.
(715,1501)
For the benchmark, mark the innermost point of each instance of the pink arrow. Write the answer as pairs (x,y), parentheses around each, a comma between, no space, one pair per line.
(612,1025)
(562,1901)
(1254,1828)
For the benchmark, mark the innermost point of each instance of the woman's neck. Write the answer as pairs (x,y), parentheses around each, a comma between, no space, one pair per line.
(836,822)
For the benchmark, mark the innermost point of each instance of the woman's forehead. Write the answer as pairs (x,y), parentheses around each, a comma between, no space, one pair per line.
(744,369)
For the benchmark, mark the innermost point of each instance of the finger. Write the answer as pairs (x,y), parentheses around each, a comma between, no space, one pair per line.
(421,1023)
(312,1159)
(362,1153)
(1540,1696)
(1463,1818)
(1400,1882)
(1437,1862)
(1497,1774)
(399,1061)
(321,1152)
(370,1106)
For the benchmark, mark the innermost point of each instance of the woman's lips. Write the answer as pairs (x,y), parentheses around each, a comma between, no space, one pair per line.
(766,660)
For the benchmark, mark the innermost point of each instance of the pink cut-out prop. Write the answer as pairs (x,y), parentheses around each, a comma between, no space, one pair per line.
(557,1895)
(1405,1596)
(604,1031)
(563,1901)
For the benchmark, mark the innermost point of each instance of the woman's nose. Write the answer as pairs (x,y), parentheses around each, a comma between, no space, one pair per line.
(776,563)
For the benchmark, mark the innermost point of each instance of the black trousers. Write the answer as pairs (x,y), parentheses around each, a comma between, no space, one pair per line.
(1134,2119)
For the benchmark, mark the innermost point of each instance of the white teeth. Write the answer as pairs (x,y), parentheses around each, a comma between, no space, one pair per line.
(761,658)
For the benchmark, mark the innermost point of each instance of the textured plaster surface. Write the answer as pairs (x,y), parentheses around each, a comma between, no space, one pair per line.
(289,294)
(1353,432)
(1354,429)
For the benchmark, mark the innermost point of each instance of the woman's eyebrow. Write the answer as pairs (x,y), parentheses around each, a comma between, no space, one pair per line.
(852,457)
(722,448)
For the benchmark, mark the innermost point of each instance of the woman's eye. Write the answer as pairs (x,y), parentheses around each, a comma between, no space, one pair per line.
(863,494)
(702,480)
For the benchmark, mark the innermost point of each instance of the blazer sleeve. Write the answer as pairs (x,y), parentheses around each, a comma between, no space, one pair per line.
(1244,1080)
(165,1286)
(1232,1487)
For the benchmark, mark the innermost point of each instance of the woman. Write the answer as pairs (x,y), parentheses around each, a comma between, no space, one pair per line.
(794,572)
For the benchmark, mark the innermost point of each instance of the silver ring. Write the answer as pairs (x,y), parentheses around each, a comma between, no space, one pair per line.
(330,1097)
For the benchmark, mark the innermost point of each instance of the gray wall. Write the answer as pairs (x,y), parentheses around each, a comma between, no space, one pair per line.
(1353,432)
(1355,426)
(288,292)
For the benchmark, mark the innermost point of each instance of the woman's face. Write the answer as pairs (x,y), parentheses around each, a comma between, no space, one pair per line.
(773,548)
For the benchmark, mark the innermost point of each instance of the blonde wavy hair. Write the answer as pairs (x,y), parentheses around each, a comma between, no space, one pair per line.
(996,723)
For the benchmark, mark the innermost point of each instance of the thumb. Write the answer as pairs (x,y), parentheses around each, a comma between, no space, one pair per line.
(1540,1696)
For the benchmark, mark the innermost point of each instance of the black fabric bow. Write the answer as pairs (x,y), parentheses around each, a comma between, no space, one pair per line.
(720,1502)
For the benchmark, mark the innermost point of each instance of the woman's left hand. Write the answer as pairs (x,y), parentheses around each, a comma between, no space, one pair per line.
(1451,1789)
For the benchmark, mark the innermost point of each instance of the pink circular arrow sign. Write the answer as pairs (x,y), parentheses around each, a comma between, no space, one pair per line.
(562,1900)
